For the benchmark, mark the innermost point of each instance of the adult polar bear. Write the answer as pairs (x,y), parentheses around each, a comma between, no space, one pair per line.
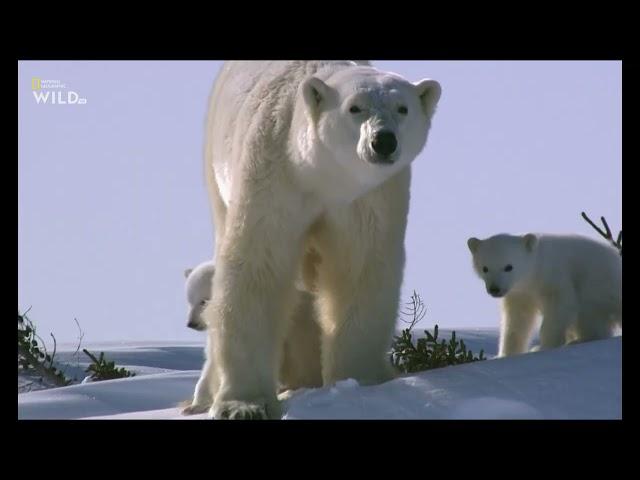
(307,166)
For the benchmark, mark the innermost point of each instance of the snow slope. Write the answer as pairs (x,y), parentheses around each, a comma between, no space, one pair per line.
(574,382)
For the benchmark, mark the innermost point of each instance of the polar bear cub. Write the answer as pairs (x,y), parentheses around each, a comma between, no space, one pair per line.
(198,290)
(573,282)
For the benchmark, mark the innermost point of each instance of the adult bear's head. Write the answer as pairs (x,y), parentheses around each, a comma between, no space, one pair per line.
(363,123)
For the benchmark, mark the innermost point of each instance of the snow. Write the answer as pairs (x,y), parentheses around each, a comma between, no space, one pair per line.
(581,381)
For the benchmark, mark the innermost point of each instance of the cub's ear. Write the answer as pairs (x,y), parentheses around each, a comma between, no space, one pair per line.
(187,272)
(530,241)
(315,94)
(473,244)
(429,92)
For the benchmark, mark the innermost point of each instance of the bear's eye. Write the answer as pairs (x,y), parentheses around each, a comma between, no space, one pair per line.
(485,269)
(508,268)
(402,110)
(203,303)
(355,109)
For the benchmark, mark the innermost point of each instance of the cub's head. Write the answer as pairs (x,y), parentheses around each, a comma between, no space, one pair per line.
(371,123)
(198,289)
(503,261)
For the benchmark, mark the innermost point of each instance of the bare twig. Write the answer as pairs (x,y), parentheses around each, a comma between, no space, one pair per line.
(53,355)
(81,335)
(76,353)
(606,233)
(414,309)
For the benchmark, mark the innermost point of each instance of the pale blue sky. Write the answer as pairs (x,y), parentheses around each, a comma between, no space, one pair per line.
(112,205)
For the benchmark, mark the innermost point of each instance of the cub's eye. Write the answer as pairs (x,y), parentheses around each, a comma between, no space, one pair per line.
(508,268)
(355,109)
(402,110)
(203,303)
(485,269)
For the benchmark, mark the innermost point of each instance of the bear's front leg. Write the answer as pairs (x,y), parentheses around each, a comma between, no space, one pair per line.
(251,300)
(359,279)
(518,320)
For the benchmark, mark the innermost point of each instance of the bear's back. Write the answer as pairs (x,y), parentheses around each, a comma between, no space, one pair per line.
(590,263)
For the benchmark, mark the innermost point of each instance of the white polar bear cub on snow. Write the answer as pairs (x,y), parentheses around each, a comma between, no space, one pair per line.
(307,168)
(573,281)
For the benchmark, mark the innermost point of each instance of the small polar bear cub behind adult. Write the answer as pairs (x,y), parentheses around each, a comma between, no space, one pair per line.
(198,289)
(574,282)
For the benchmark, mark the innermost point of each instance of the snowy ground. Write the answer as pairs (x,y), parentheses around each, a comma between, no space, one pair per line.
(574,382)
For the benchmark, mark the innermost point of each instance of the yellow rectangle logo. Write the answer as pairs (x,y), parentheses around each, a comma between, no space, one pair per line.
(35,84)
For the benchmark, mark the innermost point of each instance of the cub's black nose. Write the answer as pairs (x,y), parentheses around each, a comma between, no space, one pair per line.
(493,290)
(197,326)
(384,143)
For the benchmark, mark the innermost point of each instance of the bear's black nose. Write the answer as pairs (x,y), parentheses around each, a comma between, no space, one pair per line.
(384,143)
(196,325)
(493,290)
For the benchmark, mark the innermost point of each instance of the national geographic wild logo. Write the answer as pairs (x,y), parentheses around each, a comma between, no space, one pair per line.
(54,92)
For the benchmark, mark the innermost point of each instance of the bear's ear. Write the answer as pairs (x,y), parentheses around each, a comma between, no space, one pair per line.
(429,93)
(315,93)
(187,272)
(473,244)
(530,241)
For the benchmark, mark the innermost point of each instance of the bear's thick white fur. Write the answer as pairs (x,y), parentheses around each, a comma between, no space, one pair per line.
(573,282)
(307,166)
